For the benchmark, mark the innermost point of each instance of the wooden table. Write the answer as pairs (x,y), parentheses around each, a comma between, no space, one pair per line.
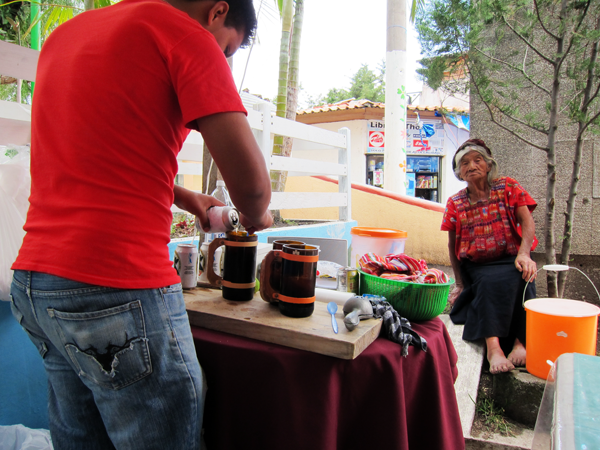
(262,321)
(267,396)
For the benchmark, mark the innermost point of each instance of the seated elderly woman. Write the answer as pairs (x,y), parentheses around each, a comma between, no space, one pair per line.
(490,235)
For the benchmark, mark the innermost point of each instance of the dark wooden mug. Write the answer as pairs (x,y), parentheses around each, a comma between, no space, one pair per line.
(239,266)
(295,293)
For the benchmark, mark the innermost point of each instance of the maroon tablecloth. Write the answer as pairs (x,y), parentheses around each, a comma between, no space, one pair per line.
(269,397)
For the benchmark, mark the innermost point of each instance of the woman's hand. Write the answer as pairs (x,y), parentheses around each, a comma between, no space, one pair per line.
(525,264)
(454,293)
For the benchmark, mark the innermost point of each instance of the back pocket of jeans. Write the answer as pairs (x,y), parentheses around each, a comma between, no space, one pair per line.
(108,347)
(37,341)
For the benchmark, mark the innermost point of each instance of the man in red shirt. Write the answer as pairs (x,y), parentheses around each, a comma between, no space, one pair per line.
(117,91)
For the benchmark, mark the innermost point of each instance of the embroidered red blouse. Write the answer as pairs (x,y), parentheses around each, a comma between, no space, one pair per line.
(488,230)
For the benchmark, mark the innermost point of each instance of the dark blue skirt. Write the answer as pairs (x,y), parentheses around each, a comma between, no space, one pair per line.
(491,303)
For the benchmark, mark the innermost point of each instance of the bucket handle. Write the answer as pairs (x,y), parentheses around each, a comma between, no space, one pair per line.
(557,268)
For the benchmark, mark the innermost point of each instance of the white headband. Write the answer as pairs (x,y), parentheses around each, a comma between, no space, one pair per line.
(470,148)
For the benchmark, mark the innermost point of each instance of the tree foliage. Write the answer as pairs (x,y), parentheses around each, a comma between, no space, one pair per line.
(11,13)
(364,84)
(16,25)
(52,14)
(533,64)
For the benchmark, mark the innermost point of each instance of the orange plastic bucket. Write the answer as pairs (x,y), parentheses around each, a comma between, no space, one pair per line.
(556,326)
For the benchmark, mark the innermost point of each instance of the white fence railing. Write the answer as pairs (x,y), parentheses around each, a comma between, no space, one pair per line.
(306,137)
(20,62)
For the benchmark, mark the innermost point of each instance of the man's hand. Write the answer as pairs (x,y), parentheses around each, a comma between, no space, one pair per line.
(525,264)
(266,222)
(196,204)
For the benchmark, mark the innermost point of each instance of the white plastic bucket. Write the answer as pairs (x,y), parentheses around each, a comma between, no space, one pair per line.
(381,241)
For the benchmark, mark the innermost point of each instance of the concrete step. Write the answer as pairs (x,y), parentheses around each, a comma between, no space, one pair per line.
(517,384)
(494,441)
(470,361)
(520,394)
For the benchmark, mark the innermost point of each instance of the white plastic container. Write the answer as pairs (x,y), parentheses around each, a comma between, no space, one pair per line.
(381,241)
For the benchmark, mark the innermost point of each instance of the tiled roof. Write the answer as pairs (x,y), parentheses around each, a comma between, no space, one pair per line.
(357,104)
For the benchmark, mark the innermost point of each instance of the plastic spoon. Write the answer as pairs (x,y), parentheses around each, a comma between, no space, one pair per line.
(332,308)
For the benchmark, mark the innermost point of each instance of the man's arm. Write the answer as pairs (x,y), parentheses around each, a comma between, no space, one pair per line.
(235,151)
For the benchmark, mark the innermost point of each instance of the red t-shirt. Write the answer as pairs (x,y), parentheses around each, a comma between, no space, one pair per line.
(117,90)
(488,230)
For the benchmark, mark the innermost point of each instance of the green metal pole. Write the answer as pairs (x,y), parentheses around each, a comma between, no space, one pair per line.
(35,31)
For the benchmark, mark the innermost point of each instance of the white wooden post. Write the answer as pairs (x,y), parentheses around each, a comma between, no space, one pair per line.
(344,182)
(265,138)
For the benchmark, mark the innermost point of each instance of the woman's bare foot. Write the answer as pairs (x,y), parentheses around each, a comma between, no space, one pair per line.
(518,354)
(495,356)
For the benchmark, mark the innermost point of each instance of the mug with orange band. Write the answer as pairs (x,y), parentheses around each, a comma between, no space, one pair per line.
(239,267)
(296,291)
(275,279)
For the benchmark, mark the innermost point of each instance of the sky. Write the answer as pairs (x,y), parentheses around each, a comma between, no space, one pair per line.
(338,37)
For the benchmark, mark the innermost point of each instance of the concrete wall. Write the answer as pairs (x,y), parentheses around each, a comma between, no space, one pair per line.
(358,159)
(529,165)
(373,207)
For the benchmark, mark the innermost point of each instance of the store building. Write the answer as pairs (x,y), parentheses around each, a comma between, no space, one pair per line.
(432,139)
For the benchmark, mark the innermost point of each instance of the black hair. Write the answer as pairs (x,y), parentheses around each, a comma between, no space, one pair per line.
(242,17)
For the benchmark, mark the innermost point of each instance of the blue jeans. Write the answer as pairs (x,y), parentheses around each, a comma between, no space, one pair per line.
(121,364)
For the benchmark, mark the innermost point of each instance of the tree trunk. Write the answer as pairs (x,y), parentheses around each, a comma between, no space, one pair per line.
(550,206)
(292,89)
(277,177)
(551,174)
(276,184)
(582,125)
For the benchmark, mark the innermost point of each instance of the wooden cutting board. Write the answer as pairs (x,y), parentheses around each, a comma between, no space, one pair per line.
(260,320)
